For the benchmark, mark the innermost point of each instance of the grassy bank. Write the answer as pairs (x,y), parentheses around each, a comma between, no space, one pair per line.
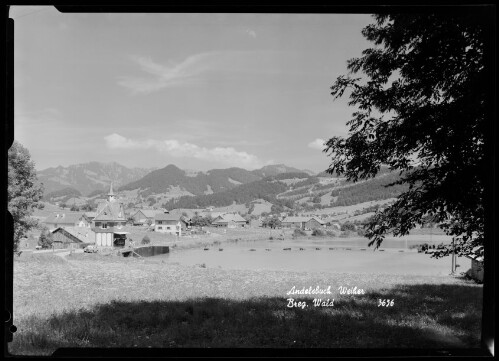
(100,301)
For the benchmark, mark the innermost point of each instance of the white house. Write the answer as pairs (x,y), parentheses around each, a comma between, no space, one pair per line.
(169,223)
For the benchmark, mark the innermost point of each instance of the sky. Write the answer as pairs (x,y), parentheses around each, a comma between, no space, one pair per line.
(201,91)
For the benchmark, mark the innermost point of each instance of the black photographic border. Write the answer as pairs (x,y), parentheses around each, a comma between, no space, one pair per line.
(484,11)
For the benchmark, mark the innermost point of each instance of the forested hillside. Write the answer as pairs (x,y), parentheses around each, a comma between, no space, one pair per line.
(370,190)
(264,189)
(67,192)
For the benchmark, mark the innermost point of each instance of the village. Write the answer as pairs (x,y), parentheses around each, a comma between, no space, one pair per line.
(112,226)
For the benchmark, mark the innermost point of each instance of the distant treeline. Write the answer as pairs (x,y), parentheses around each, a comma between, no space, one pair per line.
(371,190)
(290,175)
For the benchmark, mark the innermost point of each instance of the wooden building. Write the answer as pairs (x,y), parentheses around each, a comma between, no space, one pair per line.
(72,237)
(305,223)
(295,222)
(144,216)
(230,220)
(315,223)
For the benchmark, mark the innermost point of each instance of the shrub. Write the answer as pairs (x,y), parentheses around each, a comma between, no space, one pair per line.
(146,240)
(348,226)
(271,238)
(299,232)
(331,233)
(318,232)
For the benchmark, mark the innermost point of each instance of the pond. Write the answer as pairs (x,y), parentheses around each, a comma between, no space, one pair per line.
(317,256)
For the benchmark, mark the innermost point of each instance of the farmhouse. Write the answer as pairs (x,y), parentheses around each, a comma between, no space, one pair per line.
(295,222)
(109,221)
(144,216)
(72,237)
(303,222)
(170,223)
(315,223)
(230,220)
(67,219)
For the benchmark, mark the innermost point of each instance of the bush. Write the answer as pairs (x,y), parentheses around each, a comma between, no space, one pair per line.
(146,240)
(299,232)
(318,232)
(331,233)
(361,232)
(348,226)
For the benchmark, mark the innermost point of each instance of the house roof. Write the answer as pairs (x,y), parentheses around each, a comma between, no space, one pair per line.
(167,217)
(228,217)
(64,217)
(110,211)
(83,234)
(296,219)
(149,213)
(475,255)
(90,214)
(215,214)
(319,220)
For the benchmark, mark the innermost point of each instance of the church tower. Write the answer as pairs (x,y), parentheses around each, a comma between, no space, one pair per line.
(110,196)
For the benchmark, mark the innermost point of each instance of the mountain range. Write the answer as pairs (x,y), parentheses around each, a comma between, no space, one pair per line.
(89,177)
(92,178)
(171,187)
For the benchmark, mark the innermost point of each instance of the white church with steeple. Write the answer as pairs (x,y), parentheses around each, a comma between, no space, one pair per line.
(109,221)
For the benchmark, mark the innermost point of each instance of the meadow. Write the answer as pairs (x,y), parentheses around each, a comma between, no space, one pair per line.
(92,300)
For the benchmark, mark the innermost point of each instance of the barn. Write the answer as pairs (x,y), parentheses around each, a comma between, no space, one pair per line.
(295,222)
(72,237)
(314,223)
(229,220)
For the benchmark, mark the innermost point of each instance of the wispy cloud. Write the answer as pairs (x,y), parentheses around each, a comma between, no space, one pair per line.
(317,144)
(194,69)
(175,148)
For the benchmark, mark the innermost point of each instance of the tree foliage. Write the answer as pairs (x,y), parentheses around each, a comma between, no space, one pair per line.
(46,239)
(145,240)
(23,192)
(422,110)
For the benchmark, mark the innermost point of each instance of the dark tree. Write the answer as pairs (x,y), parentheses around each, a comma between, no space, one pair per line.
(422,109)
(46,239)
(145,240)
(24,194)
(274,222)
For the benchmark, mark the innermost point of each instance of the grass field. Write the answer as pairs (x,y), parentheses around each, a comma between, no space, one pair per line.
(91,300)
